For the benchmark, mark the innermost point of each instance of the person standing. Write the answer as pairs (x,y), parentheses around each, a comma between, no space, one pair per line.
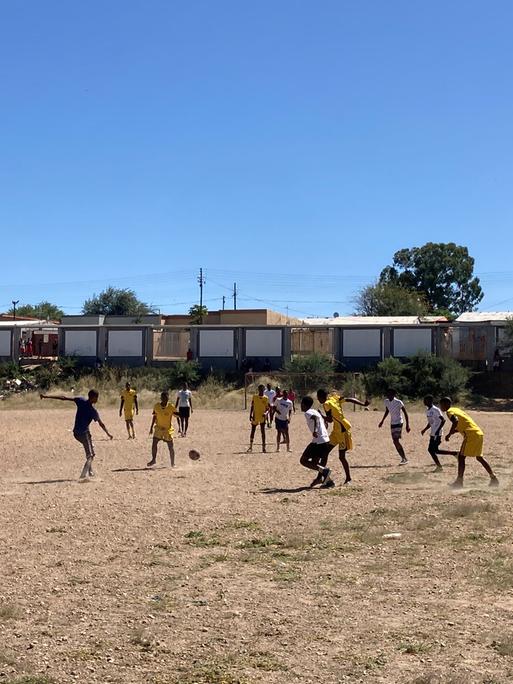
(283,414)
(258,414)
(184,405)
(270,394)
(162,428)
(130,405)
(84,416)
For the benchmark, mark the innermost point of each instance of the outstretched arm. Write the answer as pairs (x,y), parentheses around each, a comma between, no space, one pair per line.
(354,400)
(59,397)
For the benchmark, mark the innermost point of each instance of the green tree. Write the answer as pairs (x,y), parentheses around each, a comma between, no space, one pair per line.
(42,310)
(442,272)
(389,299)
(116,302)
(183,371)
(198,314)
(318,370)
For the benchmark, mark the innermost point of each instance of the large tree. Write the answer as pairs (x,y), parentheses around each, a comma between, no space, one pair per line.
(198,314)
(42,310)
(116,302)
(388,299)
(442,272)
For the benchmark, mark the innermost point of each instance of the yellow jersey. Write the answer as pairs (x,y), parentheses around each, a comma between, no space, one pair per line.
(334,405)
(164,418)
(260,406)
(129,397)
(465,422)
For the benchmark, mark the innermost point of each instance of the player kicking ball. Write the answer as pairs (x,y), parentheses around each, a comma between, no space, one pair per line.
(472,445)
(315,456)
(130,405)
(162,428)
(341,433)
(85,414)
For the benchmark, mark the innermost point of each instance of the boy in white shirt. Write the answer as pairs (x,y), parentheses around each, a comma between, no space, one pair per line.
(283,411)
(436,422)
(395,408)
(315,456)
(184,405)
(270,394)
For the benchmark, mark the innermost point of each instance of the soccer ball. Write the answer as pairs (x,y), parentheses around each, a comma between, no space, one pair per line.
(194,455)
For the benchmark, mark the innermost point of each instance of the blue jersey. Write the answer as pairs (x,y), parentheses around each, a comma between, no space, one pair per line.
(85,414)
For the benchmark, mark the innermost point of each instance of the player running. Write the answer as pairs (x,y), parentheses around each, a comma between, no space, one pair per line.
(341,435)
(436,422)
(85,414)
(395,408)
(472,445)
(162,428)
(315,456)
(129,403)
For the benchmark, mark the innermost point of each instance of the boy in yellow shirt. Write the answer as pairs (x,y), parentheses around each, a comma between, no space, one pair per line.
(162,421)
(341,433)
(257,416)
(129,403)
(472,445)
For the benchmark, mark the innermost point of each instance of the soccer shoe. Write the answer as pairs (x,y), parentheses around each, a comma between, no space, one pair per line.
(317,481)
(151,463)
(249,450)
(403,461)
(494,482)
(325,474)
(327,484)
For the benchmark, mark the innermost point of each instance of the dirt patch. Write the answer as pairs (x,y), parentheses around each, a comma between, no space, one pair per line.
(230,570)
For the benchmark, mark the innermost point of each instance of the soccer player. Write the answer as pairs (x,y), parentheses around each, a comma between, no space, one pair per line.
(270,394)
(341,433)
(472,445)
(292,396)
(436,422)
(395,408)
(85,414)
(129,403)
(315,456)
(162,421)
(283,413)
(257,416)
(184,404)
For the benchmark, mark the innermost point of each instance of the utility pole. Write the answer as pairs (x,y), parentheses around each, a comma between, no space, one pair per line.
(14,308)
(224,301)
(234,296)
(201,281)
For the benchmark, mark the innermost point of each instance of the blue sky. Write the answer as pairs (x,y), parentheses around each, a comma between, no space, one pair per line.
(289,146)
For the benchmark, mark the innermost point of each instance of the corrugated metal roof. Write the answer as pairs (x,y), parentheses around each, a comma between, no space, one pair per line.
(374,320)
(484,316)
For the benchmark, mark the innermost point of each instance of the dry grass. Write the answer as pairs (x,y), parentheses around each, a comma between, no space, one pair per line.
(231,571)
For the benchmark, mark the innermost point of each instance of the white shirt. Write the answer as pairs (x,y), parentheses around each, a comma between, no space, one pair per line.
(283,408)
(317,426)
(435,417)
(184,398)
(270,394)
(395,409)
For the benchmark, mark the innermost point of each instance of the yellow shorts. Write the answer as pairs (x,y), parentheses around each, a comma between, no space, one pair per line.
(344,440)
(163,433)
(129,415)
(472,444)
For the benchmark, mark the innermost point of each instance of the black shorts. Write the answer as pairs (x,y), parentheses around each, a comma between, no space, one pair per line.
(282,424)
(184,411)
(434,444)
(317,453)
(85,440)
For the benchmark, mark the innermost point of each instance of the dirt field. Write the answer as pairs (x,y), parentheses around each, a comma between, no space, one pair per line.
(228,571)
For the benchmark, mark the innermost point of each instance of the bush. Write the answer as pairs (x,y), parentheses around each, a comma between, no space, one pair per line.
(183,371)
(318,370)
(422,374)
